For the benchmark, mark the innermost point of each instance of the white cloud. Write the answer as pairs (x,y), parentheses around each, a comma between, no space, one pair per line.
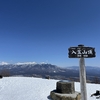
(3,63)
(21,63)
(43,63)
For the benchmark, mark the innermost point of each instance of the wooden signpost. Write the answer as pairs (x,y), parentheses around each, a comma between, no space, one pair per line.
(82,52)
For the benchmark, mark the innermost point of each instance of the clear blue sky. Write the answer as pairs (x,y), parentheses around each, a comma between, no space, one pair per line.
(43,30)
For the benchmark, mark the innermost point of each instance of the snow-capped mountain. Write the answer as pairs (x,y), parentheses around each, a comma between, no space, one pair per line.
(38,69)
(42,69)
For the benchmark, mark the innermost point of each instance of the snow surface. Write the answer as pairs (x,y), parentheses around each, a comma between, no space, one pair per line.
(30,88)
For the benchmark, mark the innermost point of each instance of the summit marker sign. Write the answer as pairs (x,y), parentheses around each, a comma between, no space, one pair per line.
(82,52)
(78,52)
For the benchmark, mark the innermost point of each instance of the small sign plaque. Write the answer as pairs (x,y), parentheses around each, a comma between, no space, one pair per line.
(79,52)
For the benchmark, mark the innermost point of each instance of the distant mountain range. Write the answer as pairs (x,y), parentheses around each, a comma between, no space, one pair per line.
(43,70)
(90,70)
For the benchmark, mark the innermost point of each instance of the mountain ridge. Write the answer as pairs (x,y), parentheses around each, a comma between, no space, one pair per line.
(43,70)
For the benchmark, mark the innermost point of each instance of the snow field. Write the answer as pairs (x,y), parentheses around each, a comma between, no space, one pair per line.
(30,88)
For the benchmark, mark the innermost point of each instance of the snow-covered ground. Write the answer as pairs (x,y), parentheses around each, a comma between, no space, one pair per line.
(29,88)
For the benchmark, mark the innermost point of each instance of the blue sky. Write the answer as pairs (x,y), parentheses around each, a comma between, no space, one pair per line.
(43,30)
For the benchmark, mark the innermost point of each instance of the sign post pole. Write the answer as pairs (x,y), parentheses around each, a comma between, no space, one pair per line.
(83,79)
(82,76)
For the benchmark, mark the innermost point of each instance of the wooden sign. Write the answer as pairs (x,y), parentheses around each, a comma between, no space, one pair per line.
(78,52)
